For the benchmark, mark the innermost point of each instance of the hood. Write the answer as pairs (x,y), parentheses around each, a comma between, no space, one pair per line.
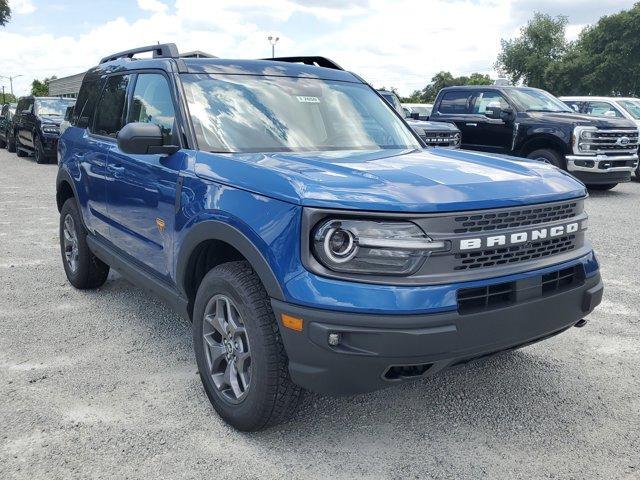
(432,126)
(50,120)
(430,180)
(577,119)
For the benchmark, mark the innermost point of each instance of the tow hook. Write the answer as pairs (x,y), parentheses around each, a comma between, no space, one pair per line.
(580,323)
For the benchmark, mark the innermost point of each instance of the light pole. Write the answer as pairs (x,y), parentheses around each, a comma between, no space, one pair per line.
(11,81)
(273,41)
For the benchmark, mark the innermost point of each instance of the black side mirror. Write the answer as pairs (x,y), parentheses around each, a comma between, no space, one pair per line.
(415,115)
(493,112)
(507,114)
(144,139)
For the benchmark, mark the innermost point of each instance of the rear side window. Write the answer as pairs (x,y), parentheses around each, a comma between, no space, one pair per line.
(152,103)
(455,102)
(82,115)
(109,117)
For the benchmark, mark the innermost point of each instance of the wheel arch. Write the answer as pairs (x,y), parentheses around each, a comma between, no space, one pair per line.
(543,141)
(65,188)
(211,243)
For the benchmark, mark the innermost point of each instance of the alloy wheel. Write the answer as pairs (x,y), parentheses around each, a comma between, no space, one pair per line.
(227,349)
(70,243)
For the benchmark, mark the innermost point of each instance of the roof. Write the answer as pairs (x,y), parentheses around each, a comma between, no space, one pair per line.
(488,87)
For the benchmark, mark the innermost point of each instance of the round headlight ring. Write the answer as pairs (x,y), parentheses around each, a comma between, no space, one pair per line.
(340,245)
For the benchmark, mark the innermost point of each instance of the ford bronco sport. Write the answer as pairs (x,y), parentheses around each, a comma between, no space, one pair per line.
(286,210)
(528,122)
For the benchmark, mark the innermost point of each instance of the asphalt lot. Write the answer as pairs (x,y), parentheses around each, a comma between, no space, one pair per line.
(103,384)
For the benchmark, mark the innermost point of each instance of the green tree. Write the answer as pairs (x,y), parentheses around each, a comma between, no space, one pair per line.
(41,88)
(541,43)
(7,97)
(5,12)
(445,79)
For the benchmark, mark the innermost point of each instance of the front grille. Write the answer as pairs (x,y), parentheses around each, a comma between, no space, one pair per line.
(517,253)
(473,300)
(439,139)
(515,218)
(611,142)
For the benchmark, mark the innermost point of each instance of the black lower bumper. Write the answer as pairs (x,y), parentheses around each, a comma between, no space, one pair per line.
(374,351)
(599,178)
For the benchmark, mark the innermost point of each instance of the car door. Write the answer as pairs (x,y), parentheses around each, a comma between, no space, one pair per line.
(455,107)
(101,138)
(141,197)
(490,134)
(24,126)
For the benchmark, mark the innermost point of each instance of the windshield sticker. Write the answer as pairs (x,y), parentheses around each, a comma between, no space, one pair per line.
(302,99)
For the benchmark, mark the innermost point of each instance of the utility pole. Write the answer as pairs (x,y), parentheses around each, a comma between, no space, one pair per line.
(273,41)
(4,97)
(10,80)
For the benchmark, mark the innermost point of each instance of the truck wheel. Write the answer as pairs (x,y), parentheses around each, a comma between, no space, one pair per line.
(637,178)
(19,151)
(601,186)
(84,270)
(39,152)
(3,143)
(11,143)
(548,156)
(241,359)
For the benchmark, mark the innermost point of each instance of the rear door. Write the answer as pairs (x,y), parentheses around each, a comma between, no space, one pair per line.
(141,195)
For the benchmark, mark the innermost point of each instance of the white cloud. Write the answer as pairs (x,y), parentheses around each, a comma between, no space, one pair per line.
(401,43)
(152,5)
(22,7)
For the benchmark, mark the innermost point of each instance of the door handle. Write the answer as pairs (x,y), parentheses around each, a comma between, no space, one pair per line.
(114,169)
(471,124)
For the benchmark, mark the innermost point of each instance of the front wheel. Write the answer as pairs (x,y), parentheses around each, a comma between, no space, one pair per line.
(602,186)
(84,270)
(637,179)
(19,151)
(11,142)
(241,359)
(39,152)
(548,156)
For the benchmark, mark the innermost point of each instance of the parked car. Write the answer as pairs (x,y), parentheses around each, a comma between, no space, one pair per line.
(6,122)
(445,135)
(418,111)
(297,221)
(612,107)
(36,126)
(532,123)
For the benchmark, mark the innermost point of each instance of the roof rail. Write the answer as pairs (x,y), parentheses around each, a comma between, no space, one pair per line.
(315,61)
(165,50)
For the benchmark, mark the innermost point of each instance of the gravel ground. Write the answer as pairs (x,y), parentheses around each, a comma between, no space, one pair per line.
(103,384)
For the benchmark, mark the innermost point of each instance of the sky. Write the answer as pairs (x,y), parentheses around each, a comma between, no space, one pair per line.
(390,43)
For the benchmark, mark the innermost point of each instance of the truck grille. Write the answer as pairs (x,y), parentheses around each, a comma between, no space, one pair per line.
(515,218)
(515,254)
(472,300)
(440,139)
(611,142)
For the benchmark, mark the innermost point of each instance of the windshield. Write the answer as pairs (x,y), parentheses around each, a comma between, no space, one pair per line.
(248,113)
(422,111)
(52,107)
(532,100)
(631,106)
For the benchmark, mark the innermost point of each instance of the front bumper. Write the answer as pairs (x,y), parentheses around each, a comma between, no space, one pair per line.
(50,143)
(602,168)
(374,351)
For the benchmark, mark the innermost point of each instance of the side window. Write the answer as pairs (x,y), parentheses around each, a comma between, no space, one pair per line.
(486,99)
(602,109)
(110,109)
(455,102)
(152,103)
(82,115)
(574,105)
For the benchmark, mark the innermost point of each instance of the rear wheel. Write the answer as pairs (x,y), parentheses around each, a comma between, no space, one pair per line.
(602,186)
(84,270)
(548,156)
(240,355)
(3,143)
(11,142)
(19,151)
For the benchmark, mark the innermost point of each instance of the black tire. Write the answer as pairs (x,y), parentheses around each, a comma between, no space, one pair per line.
(602,186)
(39,152)
(3,143)
(270,397)
(89,271)
(548,156)
(11,142)
(19,151)
(637,177)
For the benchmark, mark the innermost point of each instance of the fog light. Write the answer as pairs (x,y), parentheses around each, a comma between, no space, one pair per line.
(334,339)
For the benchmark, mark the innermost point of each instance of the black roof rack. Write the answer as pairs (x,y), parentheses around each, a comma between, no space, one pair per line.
(165,50)
(315,61)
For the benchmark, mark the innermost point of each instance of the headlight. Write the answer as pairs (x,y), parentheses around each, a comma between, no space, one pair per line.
(584,139)
(50,129)
(372,247)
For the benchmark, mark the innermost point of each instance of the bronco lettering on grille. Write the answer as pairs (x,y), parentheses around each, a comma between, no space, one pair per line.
(519,237)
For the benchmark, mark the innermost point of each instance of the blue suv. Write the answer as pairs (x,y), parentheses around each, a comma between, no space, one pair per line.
(315,243)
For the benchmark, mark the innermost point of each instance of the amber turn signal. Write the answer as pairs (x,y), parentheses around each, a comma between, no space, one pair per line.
(294,323)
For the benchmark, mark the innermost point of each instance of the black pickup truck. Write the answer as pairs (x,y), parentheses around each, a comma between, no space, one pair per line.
(36,126)
(528,122)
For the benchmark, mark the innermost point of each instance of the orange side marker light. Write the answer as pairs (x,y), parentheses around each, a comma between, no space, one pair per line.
(294,323)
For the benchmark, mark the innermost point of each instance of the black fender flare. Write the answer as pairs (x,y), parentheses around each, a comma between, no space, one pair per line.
(64,176)
(217,230)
